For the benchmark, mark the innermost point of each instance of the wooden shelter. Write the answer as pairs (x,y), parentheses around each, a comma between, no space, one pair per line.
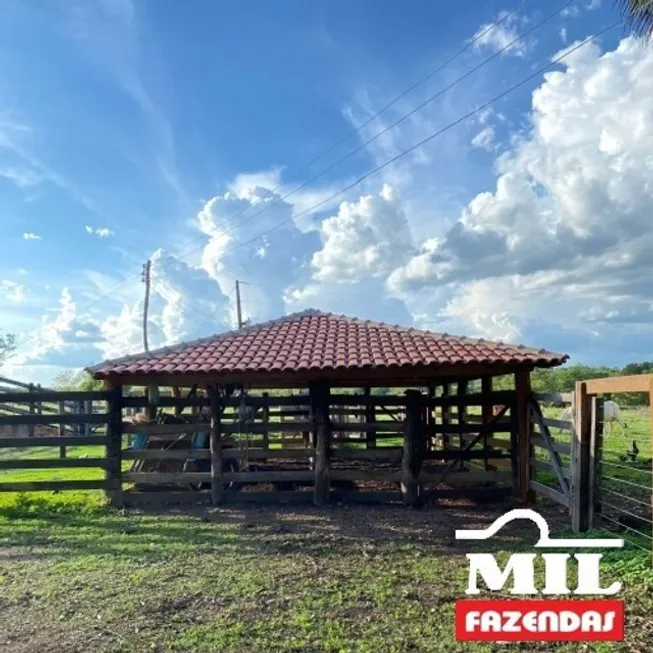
(436,433)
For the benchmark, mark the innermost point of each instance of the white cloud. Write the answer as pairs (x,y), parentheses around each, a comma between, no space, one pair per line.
(23,177)
(568,228)
(366,239)
(563,34)
(485,139)
(28,235)
(100,232)
(498,35)
(13,291)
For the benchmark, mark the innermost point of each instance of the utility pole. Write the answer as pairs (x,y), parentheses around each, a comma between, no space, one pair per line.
(239,310)
(146,304)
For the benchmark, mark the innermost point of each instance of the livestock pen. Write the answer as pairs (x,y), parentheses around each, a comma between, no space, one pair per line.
(443,432)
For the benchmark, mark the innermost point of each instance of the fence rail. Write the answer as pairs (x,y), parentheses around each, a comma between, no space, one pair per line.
(294,444)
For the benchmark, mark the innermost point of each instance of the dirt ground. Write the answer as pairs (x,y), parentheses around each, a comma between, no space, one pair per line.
(276,578)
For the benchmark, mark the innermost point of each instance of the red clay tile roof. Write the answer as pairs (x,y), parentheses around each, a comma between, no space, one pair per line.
(318,341)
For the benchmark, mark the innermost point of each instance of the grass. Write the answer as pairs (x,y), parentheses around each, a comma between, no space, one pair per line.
(77,576)
(340,579)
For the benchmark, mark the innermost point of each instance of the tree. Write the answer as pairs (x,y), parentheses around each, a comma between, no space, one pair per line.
(7,346)
(76,380)
(638,16)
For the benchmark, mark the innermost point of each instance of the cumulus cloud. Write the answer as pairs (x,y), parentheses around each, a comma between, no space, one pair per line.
(269,261)
(367,238)
(100,232)
(570,214)
(28,235)
(63,339)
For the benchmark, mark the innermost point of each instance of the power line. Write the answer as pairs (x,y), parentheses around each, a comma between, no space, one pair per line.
(199,317)
(361,147)
(424,141)
(401,95)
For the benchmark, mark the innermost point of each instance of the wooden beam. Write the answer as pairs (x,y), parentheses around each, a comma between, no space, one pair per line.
(635,383)
(595,453)
(414,444)
(51,441)
(370,418)
(65,418)
(319,393)
(54,486)
(554,456)
(54,463)
(39,396)
(487,412)
(549,493)
(215,440)
(418,375)
(580,458)
(523,435)
(113,448)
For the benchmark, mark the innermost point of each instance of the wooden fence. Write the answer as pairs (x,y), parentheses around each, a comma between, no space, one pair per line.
(580,473)
(18,398)
(35,452)
(411,448)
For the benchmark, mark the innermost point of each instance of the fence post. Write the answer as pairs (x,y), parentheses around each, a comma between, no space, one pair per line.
(32,410)
(580,459)
(370,417)
(266,420)
(113,472)
(215,444)
(523,436)
(320,392)
(596,452)
(62,429)
(414,440)
(446,416)
(88,410)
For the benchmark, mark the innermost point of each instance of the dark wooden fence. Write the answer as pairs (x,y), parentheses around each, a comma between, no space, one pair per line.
(320,447)
(38,441)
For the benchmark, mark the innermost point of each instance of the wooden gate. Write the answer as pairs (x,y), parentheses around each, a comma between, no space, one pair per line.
(551,450)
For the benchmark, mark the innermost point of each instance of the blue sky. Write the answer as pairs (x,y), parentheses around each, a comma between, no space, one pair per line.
(178,131)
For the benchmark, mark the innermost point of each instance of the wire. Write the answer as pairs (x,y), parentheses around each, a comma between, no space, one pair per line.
(206,319)
(361,147)
(646,504)
(422,142)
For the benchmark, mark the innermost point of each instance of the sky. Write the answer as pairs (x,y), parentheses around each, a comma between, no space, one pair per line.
(472,172)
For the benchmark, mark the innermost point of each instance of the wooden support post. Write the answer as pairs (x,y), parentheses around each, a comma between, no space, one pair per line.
(113,471)
(429,416)
(176,393)
(413,454)
(266,420)
(463,386)
(215,444)
(62,429)
(319,392)
(580,459)
(370,418)
(88,410)
(523,435)
(486,415)
(596,449)
(446,415)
